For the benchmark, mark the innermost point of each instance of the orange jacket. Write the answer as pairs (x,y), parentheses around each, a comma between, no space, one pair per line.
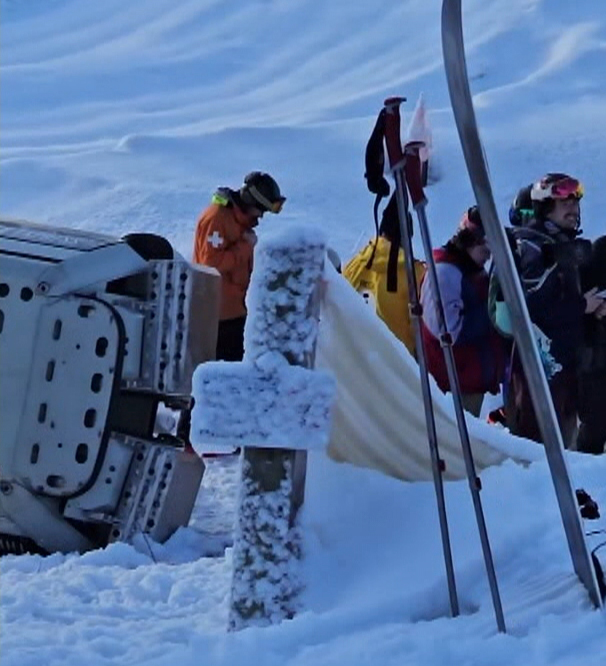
(221,242)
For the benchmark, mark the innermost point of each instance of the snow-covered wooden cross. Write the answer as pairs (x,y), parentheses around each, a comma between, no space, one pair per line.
(277,408)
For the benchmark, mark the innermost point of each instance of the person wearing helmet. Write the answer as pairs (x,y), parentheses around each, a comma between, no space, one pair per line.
(592,370)
(224,239)
(478,349)
(550,256)
(521,212)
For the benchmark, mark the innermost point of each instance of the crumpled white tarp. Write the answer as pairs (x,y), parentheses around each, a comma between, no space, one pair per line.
(378,417)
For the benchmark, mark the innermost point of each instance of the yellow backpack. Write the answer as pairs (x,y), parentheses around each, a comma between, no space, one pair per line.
(371,284)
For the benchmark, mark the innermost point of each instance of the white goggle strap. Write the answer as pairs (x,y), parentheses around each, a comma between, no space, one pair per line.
(260,198)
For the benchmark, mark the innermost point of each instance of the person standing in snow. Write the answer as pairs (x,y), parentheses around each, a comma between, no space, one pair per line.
(521,214)
(592,365)
(378,273)
(224,239)
(479,351)
(549,260)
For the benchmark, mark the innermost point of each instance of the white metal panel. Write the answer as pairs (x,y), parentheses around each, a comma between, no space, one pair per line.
(75,357)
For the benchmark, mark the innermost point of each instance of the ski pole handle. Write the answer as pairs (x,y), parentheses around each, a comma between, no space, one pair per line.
(392,131)
(412,170)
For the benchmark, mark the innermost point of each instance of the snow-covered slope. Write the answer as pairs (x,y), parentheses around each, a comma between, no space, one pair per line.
(124,117)
(120,117)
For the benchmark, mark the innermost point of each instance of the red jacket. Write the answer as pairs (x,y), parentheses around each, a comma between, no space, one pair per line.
(221,242)
(478,349)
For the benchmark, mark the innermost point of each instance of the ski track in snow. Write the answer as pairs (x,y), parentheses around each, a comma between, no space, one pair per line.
(204,82)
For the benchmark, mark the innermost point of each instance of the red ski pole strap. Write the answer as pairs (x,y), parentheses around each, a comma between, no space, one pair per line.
(392,131)
(412,170)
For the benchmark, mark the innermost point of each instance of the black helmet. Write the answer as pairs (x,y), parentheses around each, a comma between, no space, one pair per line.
(521,211)
(470,230)
(261,191)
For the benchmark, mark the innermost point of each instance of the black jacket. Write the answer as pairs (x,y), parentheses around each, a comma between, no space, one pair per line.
(549,270)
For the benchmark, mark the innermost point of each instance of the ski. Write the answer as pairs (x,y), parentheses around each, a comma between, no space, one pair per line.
(460,96)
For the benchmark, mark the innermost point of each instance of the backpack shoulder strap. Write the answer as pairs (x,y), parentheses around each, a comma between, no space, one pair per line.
(374,160)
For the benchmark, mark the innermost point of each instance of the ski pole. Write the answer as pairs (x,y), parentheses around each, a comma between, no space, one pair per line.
(412,168)
(437,464)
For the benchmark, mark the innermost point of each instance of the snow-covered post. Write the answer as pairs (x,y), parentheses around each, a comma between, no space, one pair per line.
(277,408)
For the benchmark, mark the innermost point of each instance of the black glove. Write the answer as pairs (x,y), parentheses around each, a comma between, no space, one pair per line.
(589,507)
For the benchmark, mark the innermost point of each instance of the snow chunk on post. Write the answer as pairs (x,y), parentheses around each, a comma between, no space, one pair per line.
(268,400)
(267,403)
(267,547)
(282,299)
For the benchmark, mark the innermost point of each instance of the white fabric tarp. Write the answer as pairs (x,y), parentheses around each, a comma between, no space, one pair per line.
(379,418)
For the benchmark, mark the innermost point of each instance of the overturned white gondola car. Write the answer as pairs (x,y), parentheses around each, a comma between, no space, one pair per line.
(96,333)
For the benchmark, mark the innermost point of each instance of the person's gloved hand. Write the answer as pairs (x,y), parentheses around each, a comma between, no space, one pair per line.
(592,301)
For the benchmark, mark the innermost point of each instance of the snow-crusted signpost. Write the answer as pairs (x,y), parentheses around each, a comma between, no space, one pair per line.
(277,408)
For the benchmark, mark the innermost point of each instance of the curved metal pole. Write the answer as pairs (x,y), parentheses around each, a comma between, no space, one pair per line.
(462,104)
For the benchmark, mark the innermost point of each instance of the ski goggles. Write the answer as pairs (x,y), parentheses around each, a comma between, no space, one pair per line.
(271,206)
(559,189)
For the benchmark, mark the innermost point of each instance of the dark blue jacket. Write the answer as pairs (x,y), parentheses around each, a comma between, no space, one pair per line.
(552,288)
